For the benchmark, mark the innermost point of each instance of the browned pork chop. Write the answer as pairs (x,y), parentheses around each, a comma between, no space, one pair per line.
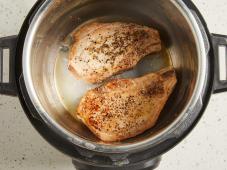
(101,50)
(124,108)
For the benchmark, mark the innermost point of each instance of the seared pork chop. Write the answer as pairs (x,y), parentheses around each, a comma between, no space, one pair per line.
(101,50)
(124,108)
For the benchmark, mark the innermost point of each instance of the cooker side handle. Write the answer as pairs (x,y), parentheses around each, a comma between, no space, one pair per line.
(8,87)
(219,41)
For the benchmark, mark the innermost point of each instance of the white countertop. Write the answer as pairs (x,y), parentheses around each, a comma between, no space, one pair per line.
(22,148)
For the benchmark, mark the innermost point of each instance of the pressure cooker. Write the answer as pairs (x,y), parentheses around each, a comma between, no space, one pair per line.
(33,52)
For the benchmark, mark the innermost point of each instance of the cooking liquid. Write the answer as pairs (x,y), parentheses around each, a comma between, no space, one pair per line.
(71,90)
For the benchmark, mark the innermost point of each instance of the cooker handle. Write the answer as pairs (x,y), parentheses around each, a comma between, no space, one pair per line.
(8,87)
(219,41)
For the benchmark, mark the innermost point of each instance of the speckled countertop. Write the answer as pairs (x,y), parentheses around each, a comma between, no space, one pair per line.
(22,148)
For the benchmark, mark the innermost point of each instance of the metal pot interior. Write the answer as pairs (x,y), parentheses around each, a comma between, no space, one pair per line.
(50,37)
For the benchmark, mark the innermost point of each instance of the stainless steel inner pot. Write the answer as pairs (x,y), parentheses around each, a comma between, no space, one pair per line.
(50,29)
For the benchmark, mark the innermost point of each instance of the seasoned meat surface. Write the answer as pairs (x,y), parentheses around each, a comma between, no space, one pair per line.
(124,108)
(101,50)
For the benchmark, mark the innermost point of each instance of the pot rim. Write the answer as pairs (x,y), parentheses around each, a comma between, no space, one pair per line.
(199,87)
